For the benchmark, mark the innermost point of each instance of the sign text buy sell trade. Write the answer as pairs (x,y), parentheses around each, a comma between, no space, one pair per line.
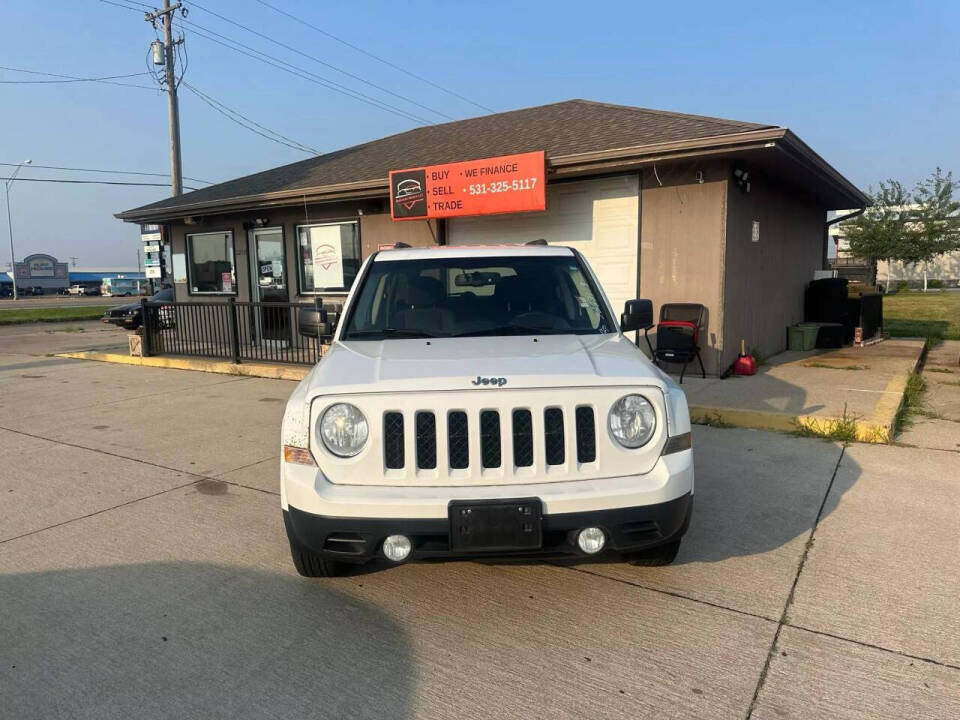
(507,184)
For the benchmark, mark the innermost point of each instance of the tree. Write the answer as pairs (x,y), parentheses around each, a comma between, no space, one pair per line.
(936,220)
(883,231)
(909,227)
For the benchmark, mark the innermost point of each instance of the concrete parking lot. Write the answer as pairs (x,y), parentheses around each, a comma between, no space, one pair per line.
(144,573)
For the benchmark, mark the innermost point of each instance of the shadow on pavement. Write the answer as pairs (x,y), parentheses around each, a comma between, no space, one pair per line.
(195,640)
(758,491)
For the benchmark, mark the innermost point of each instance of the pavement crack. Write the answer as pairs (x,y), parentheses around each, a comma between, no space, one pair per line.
(793,589)
(871,646)
(669,593)
(197,477)
(98,512)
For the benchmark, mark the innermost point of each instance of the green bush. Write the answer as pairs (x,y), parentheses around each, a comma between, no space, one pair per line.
(901,286)
(935,284)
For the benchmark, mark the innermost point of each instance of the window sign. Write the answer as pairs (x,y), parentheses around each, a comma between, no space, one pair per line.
(328,257)
(179,268)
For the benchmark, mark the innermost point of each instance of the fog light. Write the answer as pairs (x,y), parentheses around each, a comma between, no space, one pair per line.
(397,547)
(591,540)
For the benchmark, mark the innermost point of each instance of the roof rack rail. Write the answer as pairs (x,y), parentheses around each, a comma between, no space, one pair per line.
(538,241)
(398,245)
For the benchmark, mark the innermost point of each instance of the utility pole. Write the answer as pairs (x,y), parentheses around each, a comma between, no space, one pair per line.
(13,255)
(165,16)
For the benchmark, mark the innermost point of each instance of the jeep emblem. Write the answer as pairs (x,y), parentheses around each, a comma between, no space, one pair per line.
(498,381)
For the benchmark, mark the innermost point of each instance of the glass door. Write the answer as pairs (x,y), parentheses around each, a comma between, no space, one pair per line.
(269,285)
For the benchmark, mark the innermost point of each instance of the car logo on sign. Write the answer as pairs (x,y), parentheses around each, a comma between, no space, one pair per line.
(495,381)
(409,193)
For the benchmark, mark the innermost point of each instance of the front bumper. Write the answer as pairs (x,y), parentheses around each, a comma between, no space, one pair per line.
(358,540)
(349,522)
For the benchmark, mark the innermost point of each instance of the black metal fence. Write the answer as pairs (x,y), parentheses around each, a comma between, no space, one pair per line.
(233,331)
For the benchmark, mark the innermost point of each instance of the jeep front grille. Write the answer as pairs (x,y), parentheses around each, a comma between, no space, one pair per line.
(490,438)
(393,440)
(522,438)
(426,440)
(586,435)
(458,440)
(548,441)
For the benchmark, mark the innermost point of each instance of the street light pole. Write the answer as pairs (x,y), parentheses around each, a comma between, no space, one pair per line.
(13,257)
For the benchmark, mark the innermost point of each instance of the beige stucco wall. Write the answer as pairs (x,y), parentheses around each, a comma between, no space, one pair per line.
(764,282)
(375,229)
(682,224)
(945,268)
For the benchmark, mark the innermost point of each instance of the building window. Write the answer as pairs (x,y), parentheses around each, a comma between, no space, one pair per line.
(328,257)
(210,264)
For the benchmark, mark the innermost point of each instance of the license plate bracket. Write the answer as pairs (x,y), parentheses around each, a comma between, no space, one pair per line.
(496,525)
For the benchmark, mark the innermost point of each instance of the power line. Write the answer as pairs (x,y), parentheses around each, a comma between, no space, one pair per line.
(301,72)
(276,62)
(375,57)
(108,80)
(89,182)
(232,114)
(109,172)
(321,62)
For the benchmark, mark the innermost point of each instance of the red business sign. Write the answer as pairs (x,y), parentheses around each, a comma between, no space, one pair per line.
(507,184)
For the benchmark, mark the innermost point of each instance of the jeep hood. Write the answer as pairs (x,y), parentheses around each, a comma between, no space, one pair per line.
(419,365)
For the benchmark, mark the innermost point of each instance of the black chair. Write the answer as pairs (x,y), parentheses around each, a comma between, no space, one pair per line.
(678,335)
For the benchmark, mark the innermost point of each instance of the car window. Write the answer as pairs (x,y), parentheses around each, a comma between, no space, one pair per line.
(454,297)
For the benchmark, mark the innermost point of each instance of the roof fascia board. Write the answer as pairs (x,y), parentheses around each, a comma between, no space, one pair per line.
(803,153)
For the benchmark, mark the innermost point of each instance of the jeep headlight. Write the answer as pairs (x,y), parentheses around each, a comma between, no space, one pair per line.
(343,429)
(632,421)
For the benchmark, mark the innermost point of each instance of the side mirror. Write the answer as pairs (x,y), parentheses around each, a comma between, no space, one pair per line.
(314,323)
(637,315)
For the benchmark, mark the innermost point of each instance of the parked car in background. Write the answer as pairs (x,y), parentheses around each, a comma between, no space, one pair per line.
(63,291)
(76,290)
(6,291)
(30,290)
(92,290)
(130,316)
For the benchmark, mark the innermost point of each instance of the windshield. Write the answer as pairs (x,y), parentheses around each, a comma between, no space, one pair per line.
(461,297)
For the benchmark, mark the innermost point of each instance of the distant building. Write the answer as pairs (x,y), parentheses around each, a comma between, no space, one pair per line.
(50,275)
(944,268)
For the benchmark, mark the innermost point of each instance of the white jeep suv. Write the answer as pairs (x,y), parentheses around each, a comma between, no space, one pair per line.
(479,402)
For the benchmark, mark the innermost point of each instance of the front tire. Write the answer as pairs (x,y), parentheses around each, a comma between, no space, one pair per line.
(654,557)
(307,562)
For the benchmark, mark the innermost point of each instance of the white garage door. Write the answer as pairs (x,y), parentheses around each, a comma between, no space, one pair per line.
(597,217)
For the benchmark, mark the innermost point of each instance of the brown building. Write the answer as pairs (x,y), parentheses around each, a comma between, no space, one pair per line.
(674,207)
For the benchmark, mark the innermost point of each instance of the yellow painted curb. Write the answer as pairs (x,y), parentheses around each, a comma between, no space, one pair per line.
(275,372)
(868,432)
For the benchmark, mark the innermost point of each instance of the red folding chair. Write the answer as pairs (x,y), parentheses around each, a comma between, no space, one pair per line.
(678,335)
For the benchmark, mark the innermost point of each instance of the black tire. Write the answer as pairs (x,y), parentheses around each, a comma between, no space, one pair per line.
(310,564)
(654,557)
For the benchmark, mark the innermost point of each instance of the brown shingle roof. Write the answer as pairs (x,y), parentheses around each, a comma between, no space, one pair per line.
(564,128)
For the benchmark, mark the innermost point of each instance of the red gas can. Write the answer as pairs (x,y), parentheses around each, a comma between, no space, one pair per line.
(744,364)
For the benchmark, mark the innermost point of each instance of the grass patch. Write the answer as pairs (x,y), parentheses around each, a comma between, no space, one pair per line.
(843,429)
(68,329)
(932,315)
(912,402)
(14,316)
(835,367)
(714,419)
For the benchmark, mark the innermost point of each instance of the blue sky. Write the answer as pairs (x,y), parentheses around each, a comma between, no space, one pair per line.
(872,86)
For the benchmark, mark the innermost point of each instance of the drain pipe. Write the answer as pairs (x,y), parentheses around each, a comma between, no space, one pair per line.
(826,229)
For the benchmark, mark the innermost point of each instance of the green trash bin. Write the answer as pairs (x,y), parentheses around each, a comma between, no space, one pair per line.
(802,336)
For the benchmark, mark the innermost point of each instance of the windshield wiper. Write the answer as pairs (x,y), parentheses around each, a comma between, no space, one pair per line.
(390,332)
(512,330)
